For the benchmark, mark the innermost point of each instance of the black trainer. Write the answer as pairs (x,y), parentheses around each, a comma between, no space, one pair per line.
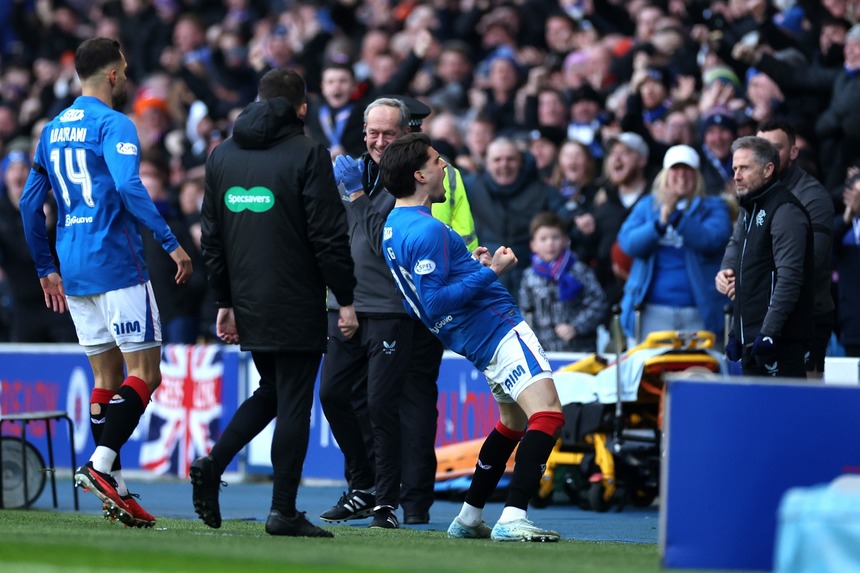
(206,486)
(353,505)
(384,518)
(295,526)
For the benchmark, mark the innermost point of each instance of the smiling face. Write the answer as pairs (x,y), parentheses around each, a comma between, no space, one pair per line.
(503,162)
(719,139)
(382,127)
(681,180)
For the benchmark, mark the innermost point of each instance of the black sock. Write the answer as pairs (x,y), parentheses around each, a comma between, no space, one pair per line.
(530,465)
(492,459)
(121,418)
(97,425)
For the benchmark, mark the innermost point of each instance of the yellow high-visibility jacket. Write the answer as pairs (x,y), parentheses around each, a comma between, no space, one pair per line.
(455,211)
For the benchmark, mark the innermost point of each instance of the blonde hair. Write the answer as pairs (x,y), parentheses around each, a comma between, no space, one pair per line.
(658,189)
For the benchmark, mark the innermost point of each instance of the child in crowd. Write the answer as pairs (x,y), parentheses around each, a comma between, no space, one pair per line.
(560,295)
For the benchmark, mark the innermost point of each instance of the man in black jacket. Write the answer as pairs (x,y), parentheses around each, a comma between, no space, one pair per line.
(274,237)
(818,205)
(774,268)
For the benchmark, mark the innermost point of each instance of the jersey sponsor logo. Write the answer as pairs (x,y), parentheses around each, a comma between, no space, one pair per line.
(387,232)
(126,327)
(438,326)
(424,267)
(515,375)
(61,134)
(759,218)
(74,220)
(72,115)
(256,199)
(389,347)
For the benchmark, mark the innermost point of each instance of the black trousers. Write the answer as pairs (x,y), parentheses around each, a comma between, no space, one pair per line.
(294,375)
(418,416)
(381,348)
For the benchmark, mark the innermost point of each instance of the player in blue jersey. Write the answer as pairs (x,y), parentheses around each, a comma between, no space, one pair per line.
(462,302)
(89,156)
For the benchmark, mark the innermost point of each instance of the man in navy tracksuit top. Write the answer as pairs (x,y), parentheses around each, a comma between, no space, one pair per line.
(462,302)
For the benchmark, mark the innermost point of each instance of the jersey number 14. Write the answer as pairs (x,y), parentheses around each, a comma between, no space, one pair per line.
(76,172)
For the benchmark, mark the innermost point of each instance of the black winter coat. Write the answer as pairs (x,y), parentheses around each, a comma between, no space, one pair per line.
(274,231)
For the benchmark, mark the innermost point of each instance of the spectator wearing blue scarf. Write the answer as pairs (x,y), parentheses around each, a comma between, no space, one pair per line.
(560,295)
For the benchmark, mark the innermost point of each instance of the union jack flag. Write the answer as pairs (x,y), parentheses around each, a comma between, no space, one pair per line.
(186,408)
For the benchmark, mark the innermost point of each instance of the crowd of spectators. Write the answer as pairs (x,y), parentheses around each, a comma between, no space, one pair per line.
(570,102)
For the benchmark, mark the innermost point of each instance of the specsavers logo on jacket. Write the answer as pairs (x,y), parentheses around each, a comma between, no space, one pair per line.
(256,199)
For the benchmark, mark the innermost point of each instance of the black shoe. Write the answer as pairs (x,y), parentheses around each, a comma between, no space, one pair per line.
(295,526)
(416,518)
(352,505)
(384,518)
(206,484)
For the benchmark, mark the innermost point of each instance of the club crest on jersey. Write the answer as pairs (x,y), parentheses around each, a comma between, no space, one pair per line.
(72,115)
(126,148)
(386,233)
(424,267)
(759,218)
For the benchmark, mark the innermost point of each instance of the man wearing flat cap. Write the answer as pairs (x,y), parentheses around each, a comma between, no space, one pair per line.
(392,409)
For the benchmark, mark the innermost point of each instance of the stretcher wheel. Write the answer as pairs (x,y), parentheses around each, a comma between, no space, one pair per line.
(13,473)
(596,499)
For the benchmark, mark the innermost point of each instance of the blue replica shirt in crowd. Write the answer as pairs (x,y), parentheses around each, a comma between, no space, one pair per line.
(89,155)
(456,297)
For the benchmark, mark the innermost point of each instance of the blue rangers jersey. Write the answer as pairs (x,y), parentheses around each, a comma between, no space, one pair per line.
(456,297)
(89,155)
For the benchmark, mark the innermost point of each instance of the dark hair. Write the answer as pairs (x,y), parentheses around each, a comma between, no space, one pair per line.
(546,219)
(400,160)
(338,66)
(285,83)
(763,150)
(458,47)
(94,55)
(779,125)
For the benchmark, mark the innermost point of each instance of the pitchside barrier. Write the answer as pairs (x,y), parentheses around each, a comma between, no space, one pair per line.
(733,447)
(201,388)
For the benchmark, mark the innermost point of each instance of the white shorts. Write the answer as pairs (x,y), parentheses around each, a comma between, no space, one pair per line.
(519,362)
(126,317)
